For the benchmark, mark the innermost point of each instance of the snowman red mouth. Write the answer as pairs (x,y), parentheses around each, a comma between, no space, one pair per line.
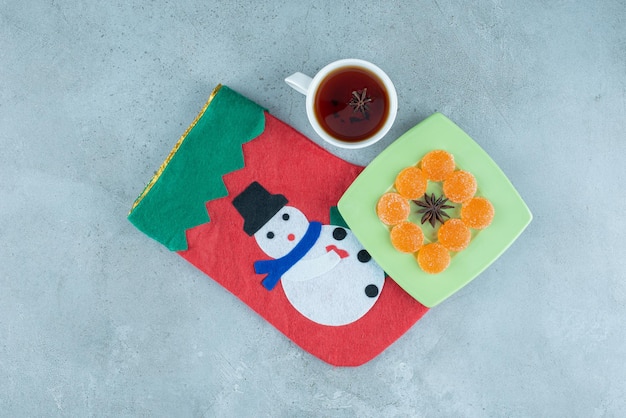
(339,251)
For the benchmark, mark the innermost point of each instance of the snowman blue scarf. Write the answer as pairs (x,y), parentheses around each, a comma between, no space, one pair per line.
(279,266)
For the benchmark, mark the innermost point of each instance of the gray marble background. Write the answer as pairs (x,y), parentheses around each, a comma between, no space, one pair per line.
(96,319)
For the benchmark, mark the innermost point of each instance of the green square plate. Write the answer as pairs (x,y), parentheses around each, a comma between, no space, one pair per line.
(358,208)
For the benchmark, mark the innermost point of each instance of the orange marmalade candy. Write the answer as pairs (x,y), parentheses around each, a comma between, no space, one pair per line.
(477,213)
(411,183)
(407,237)
(392,208)
(454,235)
(437,165)
(459,186)
(433,258)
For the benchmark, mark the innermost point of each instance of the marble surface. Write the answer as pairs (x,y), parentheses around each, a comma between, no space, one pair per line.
(96,319)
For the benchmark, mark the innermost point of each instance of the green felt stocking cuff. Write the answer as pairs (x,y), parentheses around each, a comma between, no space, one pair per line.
(336,218)
(174,200)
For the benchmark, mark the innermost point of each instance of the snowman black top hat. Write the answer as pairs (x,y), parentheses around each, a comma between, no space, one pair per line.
(257,206)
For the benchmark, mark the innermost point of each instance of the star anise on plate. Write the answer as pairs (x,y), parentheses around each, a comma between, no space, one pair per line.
(359,101)
(433,209)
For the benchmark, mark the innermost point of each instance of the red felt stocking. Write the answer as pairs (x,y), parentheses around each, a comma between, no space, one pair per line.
(286,177)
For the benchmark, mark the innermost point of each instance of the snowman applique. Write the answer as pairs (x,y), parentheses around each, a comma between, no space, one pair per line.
(325,272)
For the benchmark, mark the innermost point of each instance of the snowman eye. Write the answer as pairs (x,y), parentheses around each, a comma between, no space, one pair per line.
(270,235)
(285,216)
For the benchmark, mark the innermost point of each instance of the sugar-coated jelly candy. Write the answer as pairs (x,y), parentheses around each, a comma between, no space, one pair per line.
(411,183)
(392,208)
(433,258)
(459,186)
(454,235)
(437,165)
(477,213)
(407,237)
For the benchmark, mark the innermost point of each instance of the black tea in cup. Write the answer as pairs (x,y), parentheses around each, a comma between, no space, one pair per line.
(351,104)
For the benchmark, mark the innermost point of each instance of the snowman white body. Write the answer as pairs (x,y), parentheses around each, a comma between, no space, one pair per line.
(336,282)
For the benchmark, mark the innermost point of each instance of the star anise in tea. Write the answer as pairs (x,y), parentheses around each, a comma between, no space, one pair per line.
(359,101)
(433,209)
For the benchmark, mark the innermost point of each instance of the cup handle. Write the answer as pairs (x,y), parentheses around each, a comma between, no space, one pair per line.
(299,82)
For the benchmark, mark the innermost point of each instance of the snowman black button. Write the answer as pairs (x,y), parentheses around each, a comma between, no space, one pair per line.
(363,256)
(371,290)
(339,233)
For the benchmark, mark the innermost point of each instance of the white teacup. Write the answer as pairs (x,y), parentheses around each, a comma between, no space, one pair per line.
(350,103)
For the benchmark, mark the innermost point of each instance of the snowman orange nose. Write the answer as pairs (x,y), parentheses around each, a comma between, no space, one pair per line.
(291,237)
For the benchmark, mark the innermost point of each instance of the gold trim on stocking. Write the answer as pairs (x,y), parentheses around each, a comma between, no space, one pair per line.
(175,149)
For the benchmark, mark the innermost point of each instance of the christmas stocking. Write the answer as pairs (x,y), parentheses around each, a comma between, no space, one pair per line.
(251,202)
